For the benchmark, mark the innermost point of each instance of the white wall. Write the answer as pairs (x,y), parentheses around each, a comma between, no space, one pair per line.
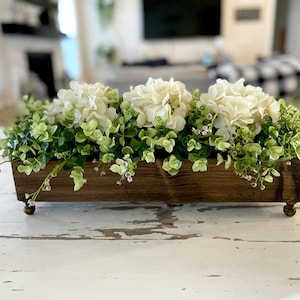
(247,40)
(293,34)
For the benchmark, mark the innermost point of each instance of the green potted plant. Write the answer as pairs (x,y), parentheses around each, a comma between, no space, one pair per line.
(237,126)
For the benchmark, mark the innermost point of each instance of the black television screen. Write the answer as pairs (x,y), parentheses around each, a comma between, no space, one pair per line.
(43,3)
(181,18)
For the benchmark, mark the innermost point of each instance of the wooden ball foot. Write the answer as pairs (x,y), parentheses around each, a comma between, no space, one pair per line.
(289,210)
(29,210)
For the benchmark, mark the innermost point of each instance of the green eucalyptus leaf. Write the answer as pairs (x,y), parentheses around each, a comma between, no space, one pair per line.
(194,156)
(131,132)
(269,178)
(77,176)
(44,146)
(134,144)
(200,165)
(122,141)
(25,169)
(127,150)
(61,141)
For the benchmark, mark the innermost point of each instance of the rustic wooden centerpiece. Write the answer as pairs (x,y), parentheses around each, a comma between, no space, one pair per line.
(152,184)
(159,142)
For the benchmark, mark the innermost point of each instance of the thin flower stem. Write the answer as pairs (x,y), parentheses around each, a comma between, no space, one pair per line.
(31,198)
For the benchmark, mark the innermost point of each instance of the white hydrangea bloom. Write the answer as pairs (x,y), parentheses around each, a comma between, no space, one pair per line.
(168,100)
(89,101)
(238,105)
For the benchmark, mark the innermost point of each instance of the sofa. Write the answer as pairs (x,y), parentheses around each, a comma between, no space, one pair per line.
(278,75)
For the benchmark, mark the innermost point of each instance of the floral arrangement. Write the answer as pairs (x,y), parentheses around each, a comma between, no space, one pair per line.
(237,124)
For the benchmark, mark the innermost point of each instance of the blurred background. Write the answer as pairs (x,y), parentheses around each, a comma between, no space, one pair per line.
(46,43)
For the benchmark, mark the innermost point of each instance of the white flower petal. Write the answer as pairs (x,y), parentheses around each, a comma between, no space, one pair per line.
(159,98)
(88,101)
(241,105)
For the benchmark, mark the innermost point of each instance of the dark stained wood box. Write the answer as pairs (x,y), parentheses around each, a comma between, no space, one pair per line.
(152,184)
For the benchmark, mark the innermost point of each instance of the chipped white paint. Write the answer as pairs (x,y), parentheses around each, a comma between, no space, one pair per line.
(146,251)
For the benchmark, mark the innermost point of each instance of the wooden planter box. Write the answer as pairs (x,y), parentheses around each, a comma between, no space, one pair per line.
(152,184)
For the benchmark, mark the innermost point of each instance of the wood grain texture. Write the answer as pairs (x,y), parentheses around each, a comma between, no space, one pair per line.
(152,184)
